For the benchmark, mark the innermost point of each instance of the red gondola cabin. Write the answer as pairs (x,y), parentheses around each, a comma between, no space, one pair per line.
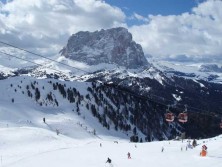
(183,117)
(169,117)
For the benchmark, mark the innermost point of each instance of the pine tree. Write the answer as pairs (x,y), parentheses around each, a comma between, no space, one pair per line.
(37,94)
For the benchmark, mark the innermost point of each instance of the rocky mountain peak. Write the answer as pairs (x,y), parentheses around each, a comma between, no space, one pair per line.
(105,46)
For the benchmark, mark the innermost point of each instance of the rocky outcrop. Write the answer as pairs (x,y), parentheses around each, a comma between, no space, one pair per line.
(113,46)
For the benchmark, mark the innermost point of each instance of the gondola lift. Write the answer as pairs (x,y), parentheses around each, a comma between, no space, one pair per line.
(183,117)
(169,116)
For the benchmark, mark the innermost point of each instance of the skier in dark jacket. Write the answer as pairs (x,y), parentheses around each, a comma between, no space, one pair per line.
(194,143)
(108,160)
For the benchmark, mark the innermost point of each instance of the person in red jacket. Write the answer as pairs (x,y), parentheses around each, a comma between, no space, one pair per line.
(203,153)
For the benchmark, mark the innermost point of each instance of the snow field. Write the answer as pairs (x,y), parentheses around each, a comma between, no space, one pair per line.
(36,147)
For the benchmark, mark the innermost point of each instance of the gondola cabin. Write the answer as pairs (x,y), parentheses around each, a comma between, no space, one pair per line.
(169,117)
(183,117)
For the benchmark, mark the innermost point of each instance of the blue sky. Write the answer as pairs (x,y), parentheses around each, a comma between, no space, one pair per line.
(154,7)
(3,1)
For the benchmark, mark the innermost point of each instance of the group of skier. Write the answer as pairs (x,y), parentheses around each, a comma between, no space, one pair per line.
(194,144)
(109,160)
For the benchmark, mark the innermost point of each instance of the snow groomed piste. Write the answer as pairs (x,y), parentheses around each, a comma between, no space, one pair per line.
(24,145)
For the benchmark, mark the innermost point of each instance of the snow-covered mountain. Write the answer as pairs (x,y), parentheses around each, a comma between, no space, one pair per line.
(211,68)
(199,71)
(120,89)
(113,46)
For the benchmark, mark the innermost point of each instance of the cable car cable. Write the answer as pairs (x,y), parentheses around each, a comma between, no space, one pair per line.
(10,45)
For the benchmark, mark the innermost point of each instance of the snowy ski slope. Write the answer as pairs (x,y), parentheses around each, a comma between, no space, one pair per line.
(26,141)
(38,147)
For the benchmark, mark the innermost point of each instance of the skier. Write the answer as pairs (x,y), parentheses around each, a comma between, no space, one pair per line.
(109,160)
(189,145)
(57,131)
(44,120)
(128,154)
(203,153)
(162,149)
(194,143)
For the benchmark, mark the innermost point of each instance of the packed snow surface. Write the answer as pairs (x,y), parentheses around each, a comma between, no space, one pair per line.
(38,147)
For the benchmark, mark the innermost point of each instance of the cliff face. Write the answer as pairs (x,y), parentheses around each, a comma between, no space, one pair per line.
(113,46)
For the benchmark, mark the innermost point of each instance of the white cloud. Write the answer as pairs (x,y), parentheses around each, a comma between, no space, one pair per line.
(190,36)
(139,17)
(47,24)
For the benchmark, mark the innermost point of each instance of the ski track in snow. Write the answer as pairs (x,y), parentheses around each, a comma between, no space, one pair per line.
(145,154)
